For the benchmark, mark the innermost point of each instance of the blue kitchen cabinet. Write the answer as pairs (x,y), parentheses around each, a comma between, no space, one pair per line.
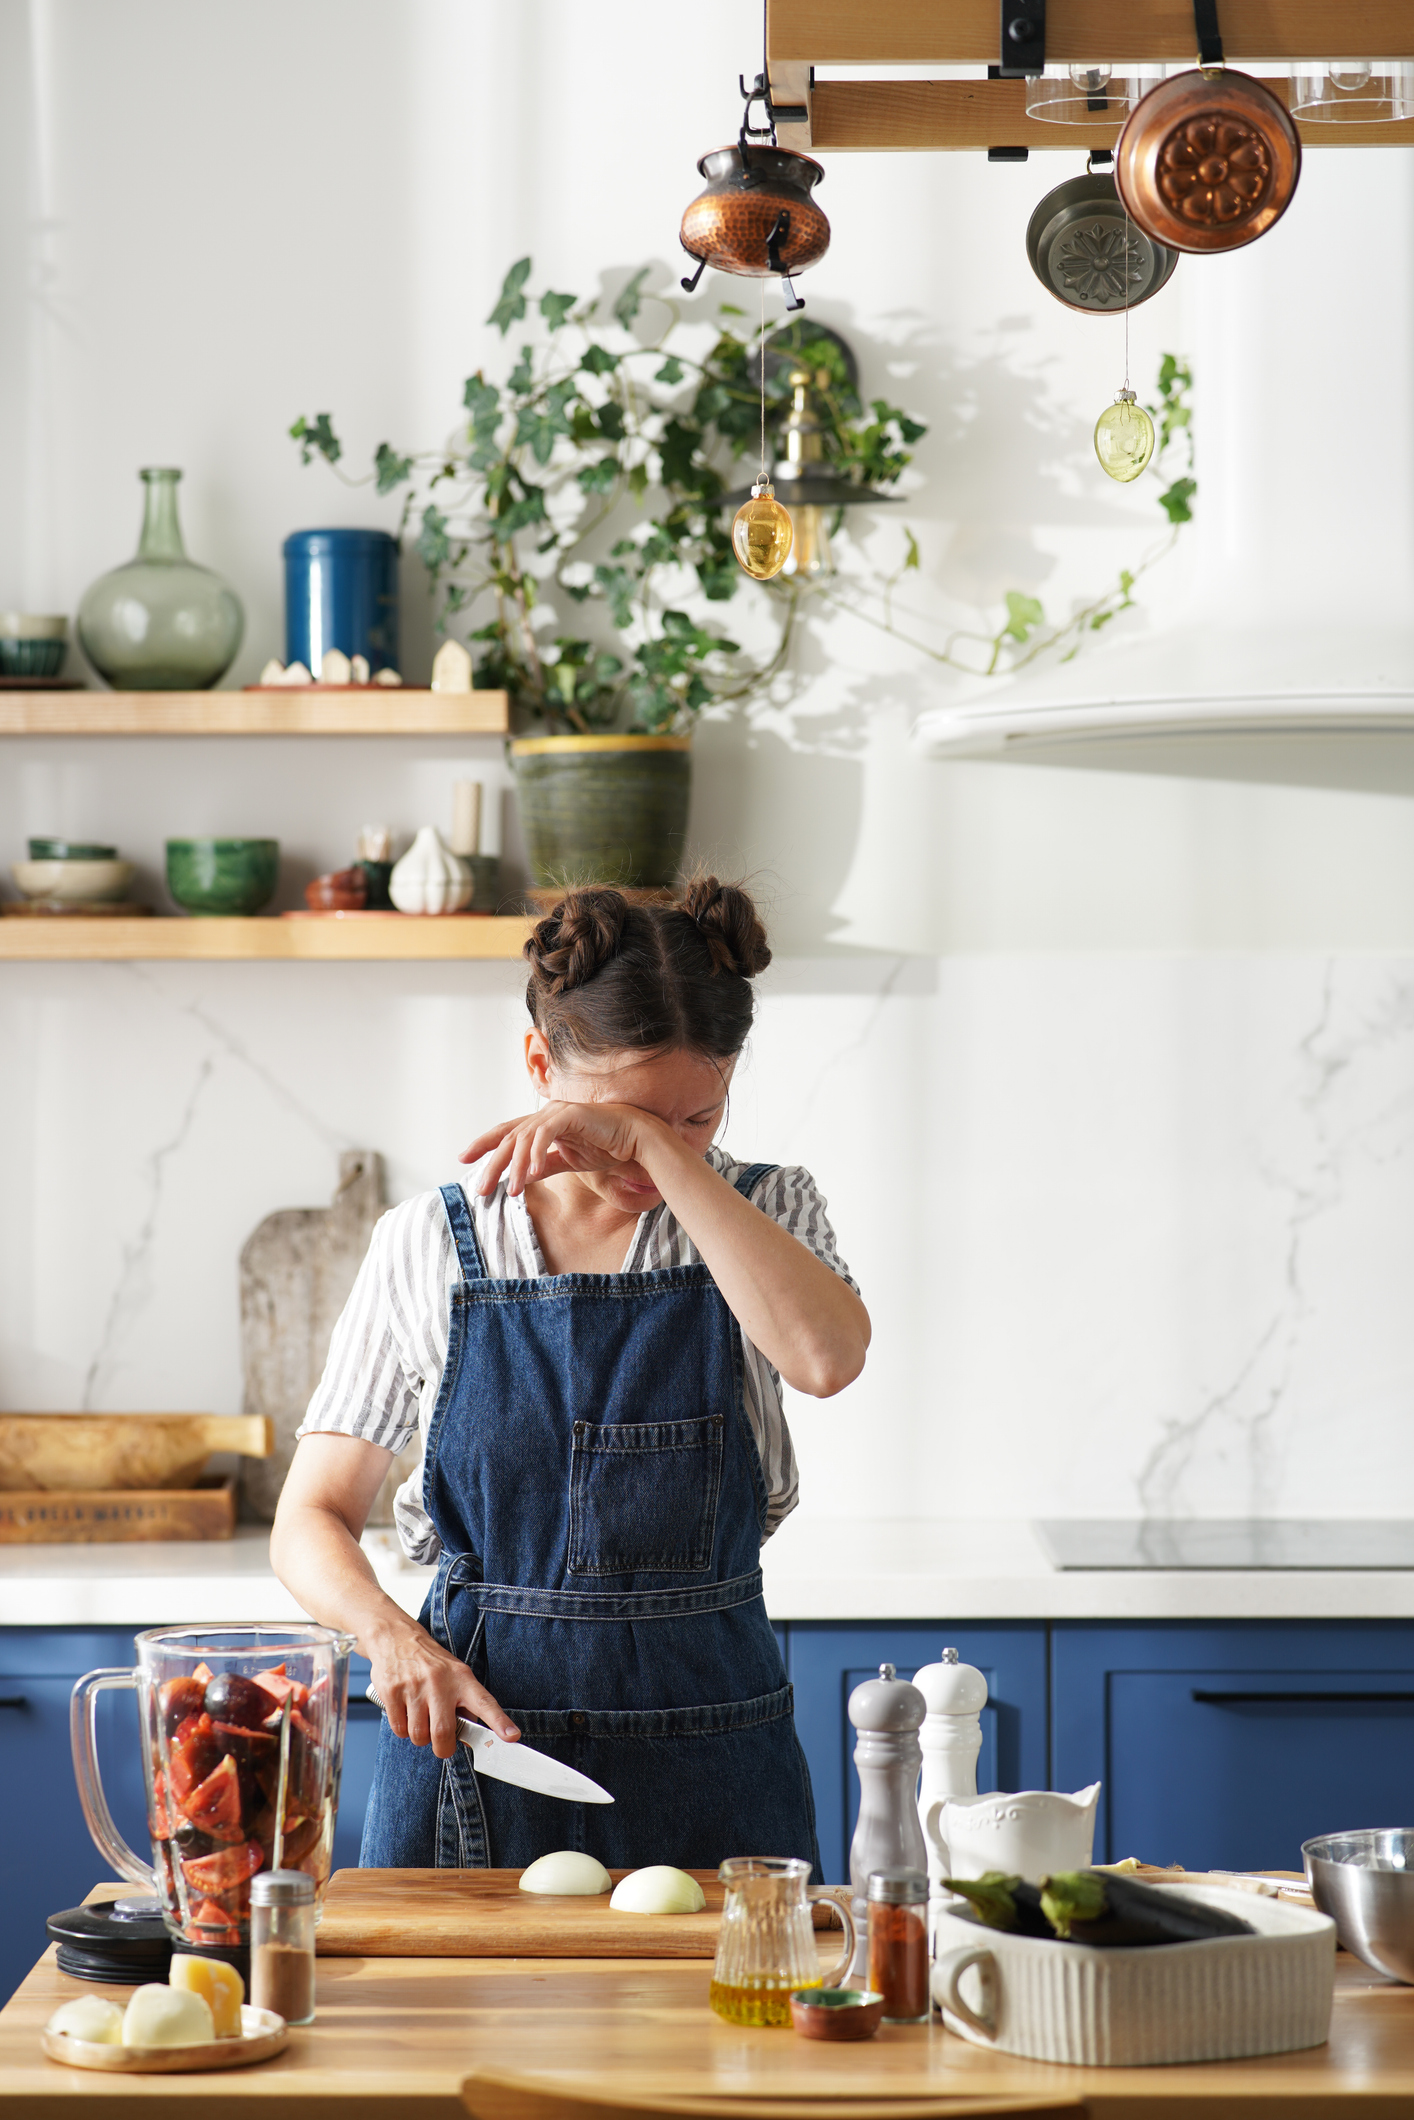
(826,1663)
(47,1860)
(1226,1746)
(360,1746)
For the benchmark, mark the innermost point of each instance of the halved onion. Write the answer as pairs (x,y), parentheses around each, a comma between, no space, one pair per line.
(91,2017)
(659,1889)
(566,1875)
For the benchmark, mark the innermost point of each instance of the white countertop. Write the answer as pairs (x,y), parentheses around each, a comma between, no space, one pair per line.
(815,1570)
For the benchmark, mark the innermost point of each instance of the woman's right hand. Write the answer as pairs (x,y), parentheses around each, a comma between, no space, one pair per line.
(424,1689)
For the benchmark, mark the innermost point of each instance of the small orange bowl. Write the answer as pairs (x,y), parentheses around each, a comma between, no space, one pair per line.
(836,2013)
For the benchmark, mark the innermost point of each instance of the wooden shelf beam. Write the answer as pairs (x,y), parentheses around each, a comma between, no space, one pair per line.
(1081,32)
(871,117)
(373,710)
(373,937)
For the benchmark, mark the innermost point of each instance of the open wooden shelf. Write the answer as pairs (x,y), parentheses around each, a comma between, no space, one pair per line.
(384,937)
(368,710)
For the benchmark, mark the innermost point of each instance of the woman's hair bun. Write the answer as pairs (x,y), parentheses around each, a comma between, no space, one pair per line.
(729,924)
(576,939)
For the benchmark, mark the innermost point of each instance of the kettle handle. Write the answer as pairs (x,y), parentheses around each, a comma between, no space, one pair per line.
(83,1717)
(839,1900)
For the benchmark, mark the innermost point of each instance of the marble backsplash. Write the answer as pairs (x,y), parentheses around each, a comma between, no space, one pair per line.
(1136,1230)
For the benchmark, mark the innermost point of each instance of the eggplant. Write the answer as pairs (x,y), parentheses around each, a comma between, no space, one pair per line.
(1092,1906)
(1004,1902)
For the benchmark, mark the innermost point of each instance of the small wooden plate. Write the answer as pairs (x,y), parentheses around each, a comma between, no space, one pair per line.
(263,2035)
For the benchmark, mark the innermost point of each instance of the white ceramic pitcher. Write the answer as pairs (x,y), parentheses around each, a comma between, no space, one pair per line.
(1029,1835)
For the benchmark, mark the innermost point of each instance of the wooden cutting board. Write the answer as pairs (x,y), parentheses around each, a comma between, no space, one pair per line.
(484,1914)
(87,1453)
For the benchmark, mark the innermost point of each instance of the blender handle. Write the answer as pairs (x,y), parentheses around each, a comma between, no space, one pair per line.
(836,1899)
(83,1715)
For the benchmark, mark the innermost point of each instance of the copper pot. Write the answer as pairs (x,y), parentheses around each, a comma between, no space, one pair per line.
(756,216)
(1208,160)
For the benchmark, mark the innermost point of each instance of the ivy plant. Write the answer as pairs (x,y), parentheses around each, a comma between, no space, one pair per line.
(588,479)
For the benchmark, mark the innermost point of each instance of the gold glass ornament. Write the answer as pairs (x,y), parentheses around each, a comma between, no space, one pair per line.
(762,533)
(1124,438)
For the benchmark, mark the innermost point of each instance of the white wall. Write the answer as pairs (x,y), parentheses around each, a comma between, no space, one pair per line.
(1109,1078)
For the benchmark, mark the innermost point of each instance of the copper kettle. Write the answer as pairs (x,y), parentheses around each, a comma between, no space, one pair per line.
(756,216)
(1208,160)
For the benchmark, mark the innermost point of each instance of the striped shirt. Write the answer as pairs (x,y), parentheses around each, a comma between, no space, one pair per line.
(389,1347)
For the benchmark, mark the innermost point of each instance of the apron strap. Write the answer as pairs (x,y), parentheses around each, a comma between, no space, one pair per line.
(751,1177)
(463,1233)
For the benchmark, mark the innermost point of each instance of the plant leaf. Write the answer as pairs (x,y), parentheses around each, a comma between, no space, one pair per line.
(541,424)
(391,468)
(672,370)
(609,419)
(511,306)
(1023,614)
(629,299)
(433,544)
(556,307)
(599,478)
(911,557)
(638,480)
(597,360)
(1175,503)
(522,376)
(316,437)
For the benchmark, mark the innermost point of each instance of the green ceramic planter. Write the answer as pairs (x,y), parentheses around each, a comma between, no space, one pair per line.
(229,876)
(603,809)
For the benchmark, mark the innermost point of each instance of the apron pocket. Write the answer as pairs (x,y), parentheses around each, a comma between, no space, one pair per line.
(643,1496)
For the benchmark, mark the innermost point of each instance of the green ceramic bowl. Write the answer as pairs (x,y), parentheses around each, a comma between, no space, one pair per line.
(208,876)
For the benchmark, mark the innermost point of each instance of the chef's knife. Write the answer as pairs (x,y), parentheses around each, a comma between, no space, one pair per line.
(521,1764)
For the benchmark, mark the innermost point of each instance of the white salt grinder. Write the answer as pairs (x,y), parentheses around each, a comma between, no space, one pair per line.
(951,1739)
(886,1711)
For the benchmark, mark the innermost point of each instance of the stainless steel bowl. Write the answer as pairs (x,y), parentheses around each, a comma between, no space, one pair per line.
(1365,1882)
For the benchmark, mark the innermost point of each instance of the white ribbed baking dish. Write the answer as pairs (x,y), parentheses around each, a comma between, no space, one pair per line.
(1212,2001)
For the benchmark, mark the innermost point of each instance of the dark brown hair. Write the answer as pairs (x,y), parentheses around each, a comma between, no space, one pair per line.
(610,975)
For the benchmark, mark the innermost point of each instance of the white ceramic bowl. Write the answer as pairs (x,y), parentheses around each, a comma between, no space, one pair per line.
(1216,2000)
(77,882)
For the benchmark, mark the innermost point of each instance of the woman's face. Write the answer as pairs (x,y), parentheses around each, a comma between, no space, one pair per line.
(684,1090)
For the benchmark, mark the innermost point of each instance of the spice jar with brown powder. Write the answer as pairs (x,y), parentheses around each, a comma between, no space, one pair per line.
(282,1944)
(898,1943)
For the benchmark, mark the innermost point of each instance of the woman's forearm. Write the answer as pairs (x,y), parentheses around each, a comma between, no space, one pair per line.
(320,1562)
(809,1324)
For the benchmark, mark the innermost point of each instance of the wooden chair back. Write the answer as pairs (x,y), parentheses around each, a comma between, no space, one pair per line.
(494,2095)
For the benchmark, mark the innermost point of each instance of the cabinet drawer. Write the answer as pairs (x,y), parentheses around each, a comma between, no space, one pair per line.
(1226,1748)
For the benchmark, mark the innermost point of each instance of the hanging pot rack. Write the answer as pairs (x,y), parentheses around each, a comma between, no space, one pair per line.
(1013,37)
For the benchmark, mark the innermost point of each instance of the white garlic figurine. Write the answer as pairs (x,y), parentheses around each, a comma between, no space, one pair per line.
(335,669)
(430,878)
(358,669)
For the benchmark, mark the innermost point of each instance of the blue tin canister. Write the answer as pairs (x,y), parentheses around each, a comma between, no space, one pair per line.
(341,591)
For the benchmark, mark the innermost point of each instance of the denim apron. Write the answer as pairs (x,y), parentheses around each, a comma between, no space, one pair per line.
(593,1479)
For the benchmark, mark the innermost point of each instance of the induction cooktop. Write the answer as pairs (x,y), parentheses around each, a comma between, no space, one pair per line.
(1227,1542)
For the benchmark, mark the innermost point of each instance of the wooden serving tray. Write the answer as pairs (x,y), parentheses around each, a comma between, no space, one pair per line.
(113,1516)
(85,1453)
(484,1914)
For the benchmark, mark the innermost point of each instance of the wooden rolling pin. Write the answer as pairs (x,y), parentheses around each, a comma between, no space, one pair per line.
(70,1453)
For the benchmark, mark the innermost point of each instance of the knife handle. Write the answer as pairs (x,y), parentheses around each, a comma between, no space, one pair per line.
(467,1731)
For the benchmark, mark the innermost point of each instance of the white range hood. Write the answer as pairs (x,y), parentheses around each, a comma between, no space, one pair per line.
(1293,656)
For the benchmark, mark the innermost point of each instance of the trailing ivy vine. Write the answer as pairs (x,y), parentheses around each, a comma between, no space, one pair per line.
(593,474)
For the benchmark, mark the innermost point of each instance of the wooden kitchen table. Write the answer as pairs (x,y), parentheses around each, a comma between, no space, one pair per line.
(395,2038)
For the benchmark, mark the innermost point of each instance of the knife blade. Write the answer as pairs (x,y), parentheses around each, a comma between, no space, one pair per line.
(520,1763)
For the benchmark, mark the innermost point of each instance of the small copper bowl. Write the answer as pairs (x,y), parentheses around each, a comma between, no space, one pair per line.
(1207,161)
(345,891)
(836,2013)
(730,224)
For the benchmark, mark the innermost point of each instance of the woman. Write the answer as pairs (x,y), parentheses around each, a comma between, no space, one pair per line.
(593,1340)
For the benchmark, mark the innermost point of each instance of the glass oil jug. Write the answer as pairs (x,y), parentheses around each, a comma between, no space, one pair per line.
(767,1948)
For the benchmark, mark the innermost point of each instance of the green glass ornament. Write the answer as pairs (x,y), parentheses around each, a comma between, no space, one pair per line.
(1124,438)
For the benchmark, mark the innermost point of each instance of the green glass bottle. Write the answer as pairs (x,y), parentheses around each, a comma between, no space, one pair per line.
(161,623)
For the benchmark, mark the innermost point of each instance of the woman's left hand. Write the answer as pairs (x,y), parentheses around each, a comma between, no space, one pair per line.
(564,1137)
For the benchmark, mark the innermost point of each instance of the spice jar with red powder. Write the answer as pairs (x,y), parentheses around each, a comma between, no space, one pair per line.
(898,1943)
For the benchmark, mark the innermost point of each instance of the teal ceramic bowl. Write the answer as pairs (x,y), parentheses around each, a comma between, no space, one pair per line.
(210,876)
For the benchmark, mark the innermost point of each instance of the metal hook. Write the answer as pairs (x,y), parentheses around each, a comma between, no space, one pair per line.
(780,230)
(690,286)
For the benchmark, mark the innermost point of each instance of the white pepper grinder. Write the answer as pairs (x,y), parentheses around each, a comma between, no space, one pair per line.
(951,1739)
(886,1711)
